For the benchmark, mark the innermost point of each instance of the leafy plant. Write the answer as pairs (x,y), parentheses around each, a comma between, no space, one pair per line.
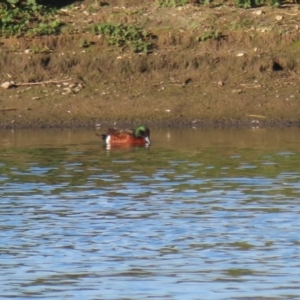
(241,24)
(51,27)
(13,2)
(275,3)
(245,3)
(22,17)
(254,3)
(171,3)
(122,35)
(209,35)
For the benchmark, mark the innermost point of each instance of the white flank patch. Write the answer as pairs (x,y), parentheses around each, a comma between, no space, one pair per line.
(107,141)
(147,140)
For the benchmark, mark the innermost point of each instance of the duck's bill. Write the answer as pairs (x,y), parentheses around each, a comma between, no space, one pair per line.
(147,140)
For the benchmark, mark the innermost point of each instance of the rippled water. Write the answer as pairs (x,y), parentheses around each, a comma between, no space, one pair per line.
(201,214)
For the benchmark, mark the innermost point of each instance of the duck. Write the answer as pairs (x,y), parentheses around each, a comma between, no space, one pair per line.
(139,136)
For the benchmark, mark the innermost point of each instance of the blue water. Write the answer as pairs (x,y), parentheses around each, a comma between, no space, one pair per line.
(201,214)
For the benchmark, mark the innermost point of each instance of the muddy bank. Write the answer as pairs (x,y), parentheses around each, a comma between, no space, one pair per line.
(208,67)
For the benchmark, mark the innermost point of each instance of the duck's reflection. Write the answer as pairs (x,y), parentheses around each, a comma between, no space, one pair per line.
(110,148)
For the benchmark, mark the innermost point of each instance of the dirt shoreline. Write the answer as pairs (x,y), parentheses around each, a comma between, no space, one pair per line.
(209,67)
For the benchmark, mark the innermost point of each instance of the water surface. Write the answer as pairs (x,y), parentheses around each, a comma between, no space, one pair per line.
(201,214)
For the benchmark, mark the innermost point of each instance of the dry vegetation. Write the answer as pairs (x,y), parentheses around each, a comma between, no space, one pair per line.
(204,65)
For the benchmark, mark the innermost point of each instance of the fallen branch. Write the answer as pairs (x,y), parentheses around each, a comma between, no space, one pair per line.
(43,82)
(250,85)
(11,84)
(8,109)
(256,116)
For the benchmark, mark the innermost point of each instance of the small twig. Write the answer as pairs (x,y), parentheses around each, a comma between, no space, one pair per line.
(249,85)
(43,82)
(256,116)
(8,109)
(178,84)
(289,83)
(289,14)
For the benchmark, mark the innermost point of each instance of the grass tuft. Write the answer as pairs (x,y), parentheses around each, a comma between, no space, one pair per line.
(27,18)
(171,3)
(122,36)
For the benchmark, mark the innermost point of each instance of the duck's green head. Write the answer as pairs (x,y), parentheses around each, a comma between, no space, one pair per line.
(143,131)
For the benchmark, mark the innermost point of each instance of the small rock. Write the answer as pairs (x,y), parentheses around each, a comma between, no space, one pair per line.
(36,98)
(278,18)
(187,81)
(258,12)
(236,91)
(240,54)
(220,83)
(67,91)
(7,85)
(76,90)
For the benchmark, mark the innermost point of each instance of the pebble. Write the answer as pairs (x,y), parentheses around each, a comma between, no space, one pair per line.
(258,12)
(7,85)
(236,91)
(76,90)
(67,91)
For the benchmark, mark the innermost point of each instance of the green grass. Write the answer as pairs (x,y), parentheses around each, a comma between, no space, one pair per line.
(255,3)
(171,3)
(27,18)
(137,39)
(209,35)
